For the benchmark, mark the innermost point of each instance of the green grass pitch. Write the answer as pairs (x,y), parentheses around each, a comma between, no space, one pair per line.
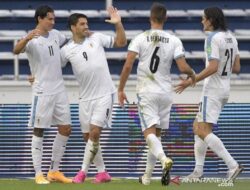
(117,184)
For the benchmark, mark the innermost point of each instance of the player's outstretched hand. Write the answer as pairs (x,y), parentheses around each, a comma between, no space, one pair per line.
(121,98)
(33,34)
(179,88)
(114,15)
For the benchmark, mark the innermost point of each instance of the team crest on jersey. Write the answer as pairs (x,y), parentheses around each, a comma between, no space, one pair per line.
(209,49)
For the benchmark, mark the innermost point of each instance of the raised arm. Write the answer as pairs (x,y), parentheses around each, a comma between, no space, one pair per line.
(120,38)
(21,44)
(131,56)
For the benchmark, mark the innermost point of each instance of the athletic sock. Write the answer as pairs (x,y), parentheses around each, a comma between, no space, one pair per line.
(151,161)
(217,146)
(58,149)
(91,149)
(37,151)
(98,160)
(155,147)
(200,149)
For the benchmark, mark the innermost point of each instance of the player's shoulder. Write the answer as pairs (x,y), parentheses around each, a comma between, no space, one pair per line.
(213,37)
(142,34)
(94,35)
(54,31)
(216,35)
(68,45)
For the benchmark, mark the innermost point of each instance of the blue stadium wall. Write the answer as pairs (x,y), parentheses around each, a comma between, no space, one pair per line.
(123,146)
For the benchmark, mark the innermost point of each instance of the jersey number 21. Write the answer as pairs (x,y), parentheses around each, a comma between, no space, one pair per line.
(229,55)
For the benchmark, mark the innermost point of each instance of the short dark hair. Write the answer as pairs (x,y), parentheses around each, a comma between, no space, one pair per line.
(73,19)
(158,12)
(42,12)
(217,18)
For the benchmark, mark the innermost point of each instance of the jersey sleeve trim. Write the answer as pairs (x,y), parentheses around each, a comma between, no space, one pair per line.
(213,58)
(181,55)
(209,41)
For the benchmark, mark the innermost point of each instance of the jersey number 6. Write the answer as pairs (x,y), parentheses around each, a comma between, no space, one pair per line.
(155,59)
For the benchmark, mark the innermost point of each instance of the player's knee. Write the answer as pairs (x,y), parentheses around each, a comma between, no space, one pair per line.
(86,137)
(202,133)
(64,130)
(158,132)
(94,134)
(38,132)
(195,128)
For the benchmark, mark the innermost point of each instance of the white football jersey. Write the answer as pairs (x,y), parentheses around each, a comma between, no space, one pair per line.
(45,64)
(90,66)
(223,47)
(156,50)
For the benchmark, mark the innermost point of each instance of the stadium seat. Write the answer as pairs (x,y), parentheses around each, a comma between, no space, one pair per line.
(247,11)
(234,12)
(116,55)
(88,13)
(62,13)
(13,33)
(130,34)
(23,13)
(190,34)
(6,55)
(123,13)
(242,32)
(177,13)
(5,13)
(170,31)
(195,13)
(107,32)
(244,54)
(197,55)
(139,13)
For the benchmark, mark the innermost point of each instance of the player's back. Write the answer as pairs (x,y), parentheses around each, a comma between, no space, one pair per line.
(223,47)
(156,49)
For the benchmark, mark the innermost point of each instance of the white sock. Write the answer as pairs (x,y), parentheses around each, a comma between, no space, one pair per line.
(151,161)
(155,147)
(200,149)
(91,149)
(58,149)
(98,161)
(217,146)
(37,152)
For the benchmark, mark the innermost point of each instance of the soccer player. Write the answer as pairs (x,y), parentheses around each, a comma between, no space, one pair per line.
(86,54)
(156,50)
(222,58)
(50,103)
